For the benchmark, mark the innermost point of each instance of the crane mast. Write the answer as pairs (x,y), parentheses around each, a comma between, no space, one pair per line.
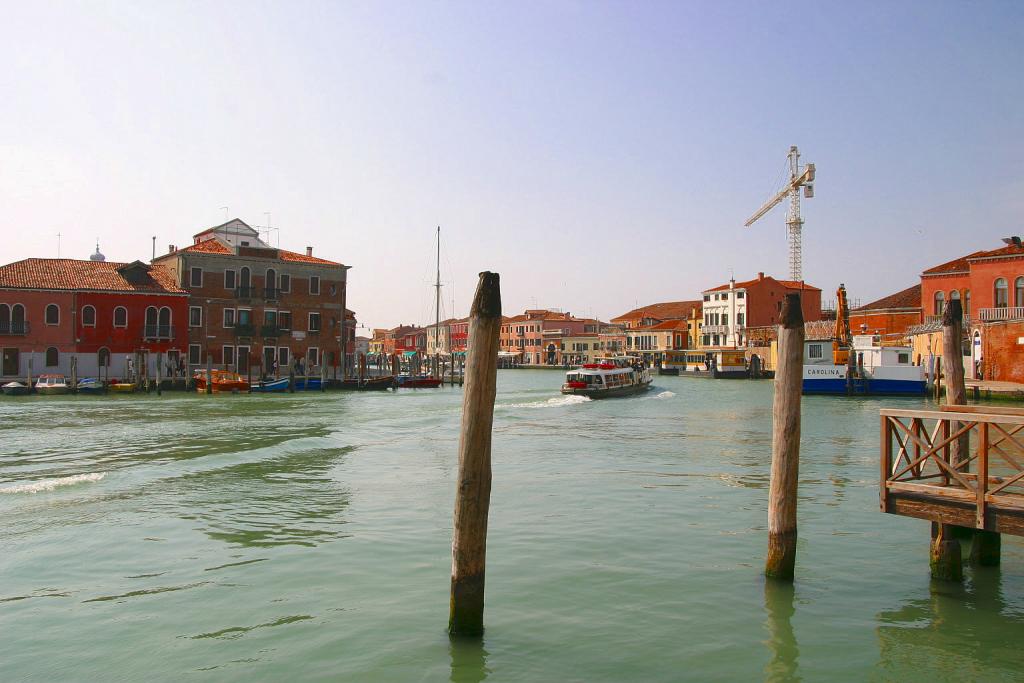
(794,223)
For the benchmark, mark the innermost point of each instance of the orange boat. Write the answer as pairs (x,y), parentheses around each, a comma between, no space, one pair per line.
(222,380)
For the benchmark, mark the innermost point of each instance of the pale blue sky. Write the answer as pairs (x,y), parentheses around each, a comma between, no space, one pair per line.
(595,154)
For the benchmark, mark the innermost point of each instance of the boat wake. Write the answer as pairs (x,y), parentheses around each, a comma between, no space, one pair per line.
(664,395)
(51,484)
(554,402)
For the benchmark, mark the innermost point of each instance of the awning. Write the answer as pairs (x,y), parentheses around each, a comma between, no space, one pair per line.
(409,353)
(508,354)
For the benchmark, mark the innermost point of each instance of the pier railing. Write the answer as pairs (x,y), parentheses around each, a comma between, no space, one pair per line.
(962,465)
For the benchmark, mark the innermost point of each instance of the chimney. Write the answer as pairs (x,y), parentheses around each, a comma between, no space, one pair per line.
(760,276)
(309,251)
(170,249)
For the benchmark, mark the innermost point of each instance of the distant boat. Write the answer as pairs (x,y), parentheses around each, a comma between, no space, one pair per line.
(306,383)
(366,384)
(16,389)
(876,370)
(271,387)
(406,381)
(90,385)
(121,387)
(52,385)
(223,381)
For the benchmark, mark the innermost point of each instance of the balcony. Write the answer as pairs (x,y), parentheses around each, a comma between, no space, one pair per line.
(158,332)
(245,292)
(271,293)
(937,319)
(989,315)
(270,331)
(244,330)
(14,329)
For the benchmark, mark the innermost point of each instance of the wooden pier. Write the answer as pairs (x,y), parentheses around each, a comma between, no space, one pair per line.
(961,466)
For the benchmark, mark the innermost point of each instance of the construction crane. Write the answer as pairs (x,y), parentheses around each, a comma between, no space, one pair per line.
(797,178)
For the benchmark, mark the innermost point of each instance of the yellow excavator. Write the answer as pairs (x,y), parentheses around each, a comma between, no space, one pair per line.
(841,339)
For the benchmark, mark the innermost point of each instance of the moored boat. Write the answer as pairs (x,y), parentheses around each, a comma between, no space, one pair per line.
(90,385)
(871,369)
(222,381)
(121,387)
(16,389)
(406,381)
(270,387)
(714,363)
(366,384)
(51,385)
(607,378)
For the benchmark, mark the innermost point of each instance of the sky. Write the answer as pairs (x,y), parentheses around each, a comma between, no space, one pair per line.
(598,155)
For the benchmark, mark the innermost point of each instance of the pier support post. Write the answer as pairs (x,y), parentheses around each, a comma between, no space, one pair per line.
(985,548)
(946,558)
(785,442)
(473,491)
(209,373)
(291,380)
(159,373)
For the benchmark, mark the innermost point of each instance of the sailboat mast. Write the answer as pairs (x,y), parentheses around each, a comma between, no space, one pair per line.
(437,306)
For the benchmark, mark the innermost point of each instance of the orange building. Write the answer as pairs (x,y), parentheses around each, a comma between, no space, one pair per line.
(893,314)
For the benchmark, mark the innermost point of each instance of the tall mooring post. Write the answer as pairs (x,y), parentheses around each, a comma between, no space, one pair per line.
(785,442)
(473,492)
(209,373)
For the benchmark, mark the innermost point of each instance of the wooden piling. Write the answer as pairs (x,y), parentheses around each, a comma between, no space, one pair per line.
(323,377)
(74,374)
(159,373)
(209,373)
(985,548)
(473,491)
(785,442)
(946,560)
(291,380)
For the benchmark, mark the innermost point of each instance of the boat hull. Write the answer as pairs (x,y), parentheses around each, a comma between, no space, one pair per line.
(90,388)
(614,392)
(121,388)
(865,387)
(55,390)
(16,389)
(275,387)
(369,384)
(418,382)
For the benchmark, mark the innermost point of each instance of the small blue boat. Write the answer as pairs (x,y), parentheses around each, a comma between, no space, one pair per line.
(276,386)
(306,383)
(90,385)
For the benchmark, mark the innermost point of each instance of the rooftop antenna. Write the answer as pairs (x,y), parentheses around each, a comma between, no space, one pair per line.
(58,245)
(154,247)
(225,213)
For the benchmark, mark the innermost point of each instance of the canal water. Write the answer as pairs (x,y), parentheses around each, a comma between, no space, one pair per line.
(307,537)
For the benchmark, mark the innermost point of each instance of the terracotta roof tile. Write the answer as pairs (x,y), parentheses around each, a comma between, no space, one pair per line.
(668,325)
(908,298)
(668,310)
(1008,250)
(788,284)
(72,274)
(955,266)
(215,246)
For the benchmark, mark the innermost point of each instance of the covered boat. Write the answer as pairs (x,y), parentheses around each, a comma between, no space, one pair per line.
(607,378)
(90,385)
(16,389)
(223,381)
(271,387)
(52,384)
(869,369)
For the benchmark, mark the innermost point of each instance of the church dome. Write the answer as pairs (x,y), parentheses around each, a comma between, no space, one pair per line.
(97,256)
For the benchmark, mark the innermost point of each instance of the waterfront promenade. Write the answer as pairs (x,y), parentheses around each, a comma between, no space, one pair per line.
(308,537)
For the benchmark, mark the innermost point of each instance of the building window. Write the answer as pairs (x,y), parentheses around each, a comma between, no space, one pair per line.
(194,351)
(52,357)
(103,357)
(284,320)
(940,302)
(312,356)
(967,303)
(739,295)
(903,358)
(195,316)
(52,315)
(286,283)
(120,317)
(229,317)
(814,350)
(244,278)
(740,318)
(270,282)
(283,357)
(314,322)
(89,316)
(314,284)
(229,279)
(1018,292)
(196,277)
(1002,294)
(229,356)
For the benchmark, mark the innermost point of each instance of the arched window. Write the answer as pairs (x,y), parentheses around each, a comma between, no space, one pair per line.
(5,319)
(89,316)
(967,303)
(940,302)
(244,278)
(52,315)
(164,323)
(271,281)
(17,314)
(120,317)
(1018,292)
(1002,299)
(150,316)
(103,357)
(52,357)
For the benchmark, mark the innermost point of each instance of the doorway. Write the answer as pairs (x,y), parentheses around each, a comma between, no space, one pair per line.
(242,360)
(269,356)
(10,364)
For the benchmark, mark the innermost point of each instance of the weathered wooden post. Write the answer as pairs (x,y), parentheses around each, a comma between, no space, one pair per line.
(209,373)
(291,380)
(74,374)
(323,377)
(473,492)
(159,373)
(29,379)
(785,442)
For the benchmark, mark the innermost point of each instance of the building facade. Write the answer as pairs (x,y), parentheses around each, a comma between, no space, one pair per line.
(729,310)
(257,308)
(891,315)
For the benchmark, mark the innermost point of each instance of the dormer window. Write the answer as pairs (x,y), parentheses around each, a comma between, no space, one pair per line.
(245,244)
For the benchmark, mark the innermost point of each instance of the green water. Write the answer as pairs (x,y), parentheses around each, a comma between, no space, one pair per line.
(308,538)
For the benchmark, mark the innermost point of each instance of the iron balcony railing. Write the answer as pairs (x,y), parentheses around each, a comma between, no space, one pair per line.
(244,329)
(270,331)
(271,293)
(158,332)
(1003,313)
(245,292)
(14,329)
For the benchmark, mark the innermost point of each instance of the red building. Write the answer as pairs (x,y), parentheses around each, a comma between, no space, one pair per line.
(890,315)
(100,313)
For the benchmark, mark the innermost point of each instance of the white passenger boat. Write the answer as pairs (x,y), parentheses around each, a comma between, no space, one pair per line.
(607,378)
(874,370)
(52,384)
